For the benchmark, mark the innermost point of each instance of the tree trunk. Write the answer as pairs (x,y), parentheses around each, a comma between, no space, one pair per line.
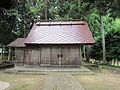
(88,54)
(84,54)
(46,14)
(103,40)
(24,30)
(2,54)
(80,56)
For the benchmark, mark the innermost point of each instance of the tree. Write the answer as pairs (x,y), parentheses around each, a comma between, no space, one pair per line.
(20,19)
(112,40)
(104,7)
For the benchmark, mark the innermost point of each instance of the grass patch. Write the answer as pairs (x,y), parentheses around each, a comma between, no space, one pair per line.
(23,82)
(106,80)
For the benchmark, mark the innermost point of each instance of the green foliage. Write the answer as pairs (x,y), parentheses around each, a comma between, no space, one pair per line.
(94,23)
(7,29)
(68,9)
(112,41)
(17,22)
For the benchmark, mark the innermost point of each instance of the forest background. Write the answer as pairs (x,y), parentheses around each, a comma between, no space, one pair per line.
(102,16)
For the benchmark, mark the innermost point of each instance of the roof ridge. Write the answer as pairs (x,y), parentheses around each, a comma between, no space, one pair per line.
(60,23)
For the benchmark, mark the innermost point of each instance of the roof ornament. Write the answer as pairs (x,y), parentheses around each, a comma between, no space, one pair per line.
(49,21)
(71,20)
(38,19)
(60,21)
(81,19)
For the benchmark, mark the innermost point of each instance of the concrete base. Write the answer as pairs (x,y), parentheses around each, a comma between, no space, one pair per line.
(42,70)
(52,66)
(48,66)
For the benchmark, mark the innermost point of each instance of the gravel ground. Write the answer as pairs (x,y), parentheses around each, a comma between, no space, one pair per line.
(61,82)
(4,85)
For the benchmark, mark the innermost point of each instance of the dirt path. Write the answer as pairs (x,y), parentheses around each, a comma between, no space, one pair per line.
(61,82)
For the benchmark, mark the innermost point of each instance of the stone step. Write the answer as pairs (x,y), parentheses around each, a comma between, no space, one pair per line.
(82,70)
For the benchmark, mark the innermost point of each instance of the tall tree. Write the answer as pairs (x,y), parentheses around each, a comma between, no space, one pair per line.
(104,7)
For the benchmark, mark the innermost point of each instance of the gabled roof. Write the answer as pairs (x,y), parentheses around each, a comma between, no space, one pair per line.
(73,32)
(19,42)
(56,33)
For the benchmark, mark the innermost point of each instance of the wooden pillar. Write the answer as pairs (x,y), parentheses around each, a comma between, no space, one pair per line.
(84,53)
(24,57)
(12,54)
(80,56)
(9,54)
(88,53)
(2,54)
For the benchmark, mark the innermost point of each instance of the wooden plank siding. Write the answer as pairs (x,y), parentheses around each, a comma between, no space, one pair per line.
(27,58)
(19,56)
(35,56)
(49,56)
(65,56)
(45,56)
(74,56)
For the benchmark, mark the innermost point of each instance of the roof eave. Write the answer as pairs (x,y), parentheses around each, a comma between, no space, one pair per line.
(59,43)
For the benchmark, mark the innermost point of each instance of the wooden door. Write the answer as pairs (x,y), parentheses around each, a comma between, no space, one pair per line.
(74,55)
(56,56)
(35,56)
(65,56)
(45,56)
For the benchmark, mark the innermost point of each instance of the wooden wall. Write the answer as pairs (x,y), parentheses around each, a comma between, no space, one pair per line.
(19,56)
(48,55)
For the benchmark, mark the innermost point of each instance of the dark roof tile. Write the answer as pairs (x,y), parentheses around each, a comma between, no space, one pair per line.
(19,42)
(60,33)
